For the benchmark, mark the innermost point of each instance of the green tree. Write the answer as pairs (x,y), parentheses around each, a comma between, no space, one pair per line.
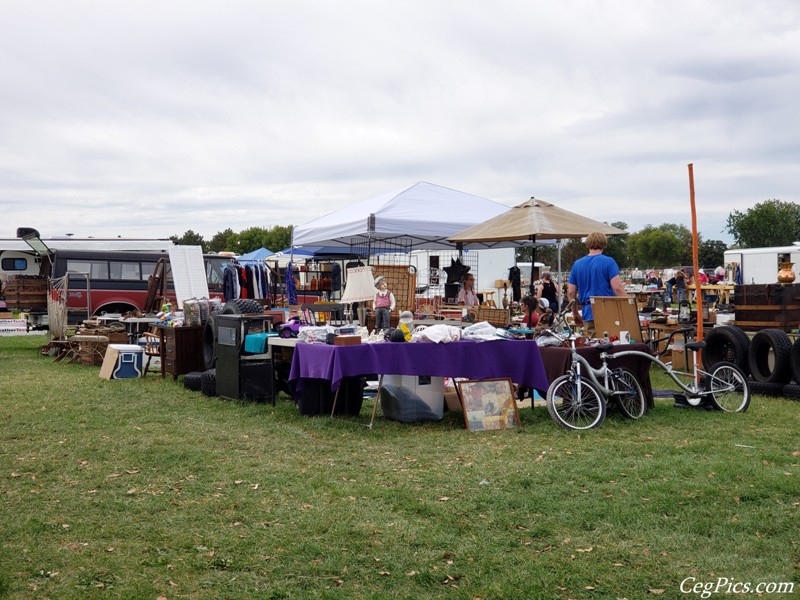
(618,245)
(190,238)
(220,241)
(711,253)
(769,223)
(664,246)
(274,238)
(278,237)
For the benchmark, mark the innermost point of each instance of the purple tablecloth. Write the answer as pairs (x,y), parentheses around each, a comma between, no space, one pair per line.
(519,360)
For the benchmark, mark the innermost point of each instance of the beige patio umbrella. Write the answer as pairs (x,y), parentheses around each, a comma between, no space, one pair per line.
(533,220)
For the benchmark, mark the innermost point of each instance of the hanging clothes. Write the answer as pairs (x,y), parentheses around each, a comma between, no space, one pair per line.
(336,277)
(515,277)
(291,291)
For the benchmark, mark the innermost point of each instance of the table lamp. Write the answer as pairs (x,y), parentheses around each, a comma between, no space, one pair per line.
(359,287)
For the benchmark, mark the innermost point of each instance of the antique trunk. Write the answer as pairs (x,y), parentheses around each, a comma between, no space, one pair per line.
(762,306)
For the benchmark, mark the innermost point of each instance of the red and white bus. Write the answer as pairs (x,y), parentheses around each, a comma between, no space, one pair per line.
(102,282)
(117,281)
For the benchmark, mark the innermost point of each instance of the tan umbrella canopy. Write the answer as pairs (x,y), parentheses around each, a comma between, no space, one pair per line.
(533,220)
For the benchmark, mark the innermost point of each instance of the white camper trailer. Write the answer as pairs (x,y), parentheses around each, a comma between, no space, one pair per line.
(760,265)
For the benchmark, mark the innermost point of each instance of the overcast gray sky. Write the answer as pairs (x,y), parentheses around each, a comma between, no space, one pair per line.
(151,118)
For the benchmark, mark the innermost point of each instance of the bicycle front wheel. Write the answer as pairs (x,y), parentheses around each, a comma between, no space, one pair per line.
(729,388)
(575,404)
(630,395)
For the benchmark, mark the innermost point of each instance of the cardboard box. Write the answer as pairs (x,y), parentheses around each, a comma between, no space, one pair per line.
(452,400)
(347,340)
(117,338)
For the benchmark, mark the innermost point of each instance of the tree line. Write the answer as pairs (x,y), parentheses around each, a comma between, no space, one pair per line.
(274,238)
(769,223)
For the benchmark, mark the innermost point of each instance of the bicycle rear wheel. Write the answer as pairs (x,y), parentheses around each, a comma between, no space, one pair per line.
(575,404)
(632,402)
(728,387)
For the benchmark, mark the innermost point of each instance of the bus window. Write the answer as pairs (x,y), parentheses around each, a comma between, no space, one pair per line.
(95,269)
(147,270)
(214,273)
(14,264)
(125,270)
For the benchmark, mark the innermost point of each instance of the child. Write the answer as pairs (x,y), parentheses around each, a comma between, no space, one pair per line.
(383,305)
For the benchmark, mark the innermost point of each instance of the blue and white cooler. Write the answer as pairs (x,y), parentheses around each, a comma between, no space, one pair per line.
(129,361)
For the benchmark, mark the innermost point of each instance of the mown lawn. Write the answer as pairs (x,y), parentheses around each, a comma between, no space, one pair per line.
(142,489)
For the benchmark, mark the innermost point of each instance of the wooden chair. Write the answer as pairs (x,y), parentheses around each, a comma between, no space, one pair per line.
(325,314)
(152,347)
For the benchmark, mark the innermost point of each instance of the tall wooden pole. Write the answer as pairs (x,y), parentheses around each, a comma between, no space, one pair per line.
(698,293)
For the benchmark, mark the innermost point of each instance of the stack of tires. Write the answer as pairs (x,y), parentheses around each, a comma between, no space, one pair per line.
(770,358)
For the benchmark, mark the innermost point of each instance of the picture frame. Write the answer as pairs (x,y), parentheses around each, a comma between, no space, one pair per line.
(489,404)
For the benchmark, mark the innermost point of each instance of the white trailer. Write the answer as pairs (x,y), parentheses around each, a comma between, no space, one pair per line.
(761,265)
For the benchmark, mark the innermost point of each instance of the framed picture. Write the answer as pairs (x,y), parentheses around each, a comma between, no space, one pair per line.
(488,404)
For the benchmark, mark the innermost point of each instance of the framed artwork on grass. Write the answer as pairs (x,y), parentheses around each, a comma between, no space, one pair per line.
(489,404)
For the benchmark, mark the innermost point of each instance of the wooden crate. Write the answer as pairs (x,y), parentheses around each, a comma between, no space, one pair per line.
(91,353)
(27,292)
(499,317)
(761,306)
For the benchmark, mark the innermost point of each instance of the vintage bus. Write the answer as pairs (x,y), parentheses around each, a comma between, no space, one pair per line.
(105,282)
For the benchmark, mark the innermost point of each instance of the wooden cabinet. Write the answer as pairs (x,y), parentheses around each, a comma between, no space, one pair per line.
(181,350)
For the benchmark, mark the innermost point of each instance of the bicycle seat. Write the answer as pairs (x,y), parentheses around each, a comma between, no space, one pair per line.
(604,347)
(699,345)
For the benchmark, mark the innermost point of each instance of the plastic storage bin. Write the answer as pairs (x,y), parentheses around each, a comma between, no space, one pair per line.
(428,389)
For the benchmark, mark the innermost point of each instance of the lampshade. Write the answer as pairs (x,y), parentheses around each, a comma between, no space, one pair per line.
(359,286)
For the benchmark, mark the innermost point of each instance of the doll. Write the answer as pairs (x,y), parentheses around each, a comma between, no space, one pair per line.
(383,305)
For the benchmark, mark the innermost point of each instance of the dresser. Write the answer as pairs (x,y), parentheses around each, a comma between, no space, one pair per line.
(181,350)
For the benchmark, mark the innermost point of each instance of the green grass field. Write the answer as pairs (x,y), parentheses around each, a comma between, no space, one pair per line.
(142,489)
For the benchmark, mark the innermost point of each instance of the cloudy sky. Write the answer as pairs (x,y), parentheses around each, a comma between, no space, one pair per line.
(152,118)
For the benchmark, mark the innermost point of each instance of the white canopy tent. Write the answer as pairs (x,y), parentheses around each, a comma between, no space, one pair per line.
(423,215)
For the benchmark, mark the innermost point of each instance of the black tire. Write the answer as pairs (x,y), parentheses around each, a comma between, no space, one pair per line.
(242,306)
(794,361)
(766,389)
(572,409)
(769,356)
(632,404)
(730,388)
(791,391)
(193,380)
(728,343)
(286,333)
(210,342)
(208,382)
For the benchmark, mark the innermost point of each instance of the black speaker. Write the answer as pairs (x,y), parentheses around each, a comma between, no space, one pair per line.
(255,381)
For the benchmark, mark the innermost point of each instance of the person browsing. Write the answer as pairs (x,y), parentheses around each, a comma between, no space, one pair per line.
(547,290)
(593,275)
(467,295)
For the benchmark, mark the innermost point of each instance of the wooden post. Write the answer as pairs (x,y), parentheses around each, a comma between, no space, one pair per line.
(698,292)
